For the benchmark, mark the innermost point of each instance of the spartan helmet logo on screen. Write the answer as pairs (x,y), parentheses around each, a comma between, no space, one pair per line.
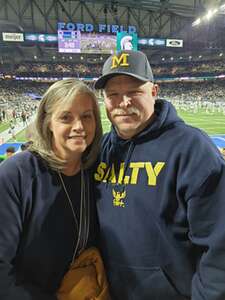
(126,43)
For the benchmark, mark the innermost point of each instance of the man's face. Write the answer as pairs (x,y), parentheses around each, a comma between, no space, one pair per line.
(129,104)
(9,154)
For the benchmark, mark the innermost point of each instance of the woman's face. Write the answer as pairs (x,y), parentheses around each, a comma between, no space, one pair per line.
(73,127)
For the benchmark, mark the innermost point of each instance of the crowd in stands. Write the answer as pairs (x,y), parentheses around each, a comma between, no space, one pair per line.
(192,96)
(15,92)
(54,69)
(17,97)
(166,69)
(16,104)
(190,68)
(212,90)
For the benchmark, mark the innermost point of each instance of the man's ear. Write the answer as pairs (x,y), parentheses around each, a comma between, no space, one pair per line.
(155,90)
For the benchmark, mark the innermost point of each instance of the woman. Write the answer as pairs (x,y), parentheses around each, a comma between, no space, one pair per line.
(47,215)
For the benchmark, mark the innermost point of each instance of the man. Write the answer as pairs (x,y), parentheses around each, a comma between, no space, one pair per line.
(12,129)
(10,151)
(26,145)
(160,193)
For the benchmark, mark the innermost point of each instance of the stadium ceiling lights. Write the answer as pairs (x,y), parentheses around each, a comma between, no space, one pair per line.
(211,13)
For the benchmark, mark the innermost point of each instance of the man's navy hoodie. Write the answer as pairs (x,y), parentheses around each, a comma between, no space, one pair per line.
(161,207)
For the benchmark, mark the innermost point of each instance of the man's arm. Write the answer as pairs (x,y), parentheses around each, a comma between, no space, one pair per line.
(206,216)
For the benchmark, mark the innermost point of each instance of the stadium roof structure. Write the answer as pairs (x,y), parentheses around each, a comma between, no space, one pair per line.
(152,18)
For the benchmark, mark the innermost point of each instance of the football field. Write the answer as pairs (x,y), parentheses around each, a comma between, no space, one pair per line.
(212,123)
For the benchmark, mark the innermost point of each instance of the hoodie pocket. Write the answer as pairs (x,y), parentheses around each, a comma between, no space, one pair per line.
(154,284)
(142,284)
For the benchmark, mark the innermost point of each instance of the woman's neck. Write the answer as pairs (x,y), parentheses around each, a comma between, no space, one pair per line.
(72,168)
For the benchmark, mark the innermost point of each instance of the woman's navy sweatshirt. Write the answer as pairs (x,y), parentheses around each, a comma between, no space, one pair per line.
(37,228)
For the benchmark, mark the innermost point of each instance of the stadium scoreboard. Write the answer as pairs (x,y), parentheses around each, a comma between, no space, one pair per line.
(69,41)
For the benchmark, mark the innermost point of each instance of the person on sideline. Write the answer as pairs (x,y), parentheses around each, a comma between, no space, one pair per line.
(160,193)
(10,151)
(47,212)
(26,145)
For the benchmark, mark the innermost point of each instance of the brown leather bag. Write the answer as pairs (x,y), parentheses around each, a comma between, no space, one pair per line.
(86,278)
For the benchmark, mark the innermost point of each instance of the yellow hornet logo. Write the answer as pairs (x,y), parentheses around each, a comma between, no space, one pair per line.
(118,196)
(121,61)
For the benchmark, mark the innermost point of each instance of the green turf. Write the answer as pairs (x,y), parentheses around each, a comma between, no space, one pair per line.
(20,137)
(212,123)
(4,126)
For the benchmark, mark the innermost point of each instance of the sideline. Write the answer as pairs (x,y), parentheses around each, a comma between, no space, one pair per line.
(5,136)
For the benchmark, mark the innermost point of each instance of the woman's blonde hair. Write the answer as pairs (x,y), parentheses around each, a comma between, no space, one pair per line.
(59,94)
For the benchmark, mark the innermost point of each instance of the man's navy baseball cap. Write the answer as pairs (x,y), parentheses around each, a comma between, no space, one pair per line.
(132,63)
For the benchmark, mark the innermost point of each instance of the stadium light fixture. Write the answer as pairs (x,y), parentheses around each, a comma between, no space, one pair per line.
(200,56)
(197,22)
(222,7)
(190,57)
(211,13)
(207,17)
(181,57)
(221,54)
(163,58)
(171,58)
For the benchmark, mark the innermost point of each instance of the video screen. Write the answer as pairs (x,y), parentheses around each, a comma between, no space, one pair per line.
(98,43)
(77,42)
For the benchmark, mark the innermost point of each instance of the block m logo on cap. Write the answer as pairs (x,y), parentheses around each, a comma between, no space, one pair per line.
(120,61)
